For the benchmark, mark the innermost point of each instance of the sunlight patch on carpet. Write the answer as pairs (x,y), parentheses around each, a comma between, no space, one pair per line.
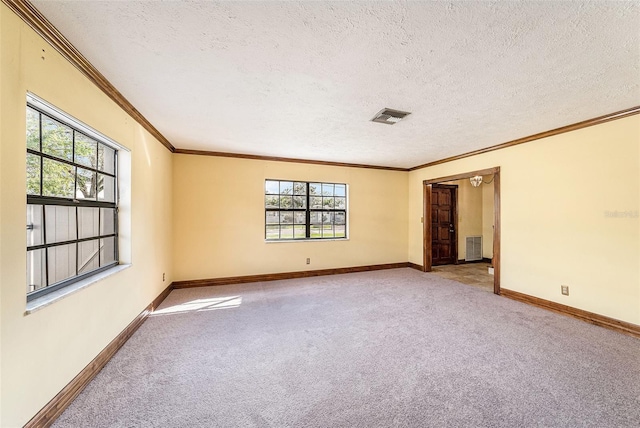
(200,305)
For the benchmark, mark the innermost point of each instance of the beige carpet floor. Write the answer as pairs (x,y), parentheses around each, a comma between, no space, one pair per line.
(396,348)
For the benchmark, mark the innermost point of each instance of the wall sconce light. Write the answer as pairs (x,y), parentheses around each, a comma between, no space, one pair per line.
(476,181)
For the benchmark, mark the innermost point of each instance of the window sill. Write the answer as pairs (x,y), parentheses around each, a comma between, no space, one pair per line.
(47,299)
(273,241)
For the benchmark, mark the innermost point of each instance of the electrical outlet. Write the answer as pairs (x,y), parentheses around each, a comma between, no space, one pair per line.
(564,289)
(162,276)
(308,261)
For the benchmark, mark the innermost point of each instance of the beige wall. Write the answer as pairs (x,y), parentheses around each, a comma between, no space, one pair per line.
(469,213)
(43,351)
(487,217)
(556,198)
(219,218)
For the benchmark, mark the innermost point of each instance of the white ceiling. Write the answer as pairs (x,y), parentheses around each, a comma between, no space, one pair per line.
(303,79)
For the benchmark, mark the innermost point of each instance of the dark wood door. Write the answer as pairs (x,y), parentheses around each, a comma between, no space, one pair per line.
(444,242)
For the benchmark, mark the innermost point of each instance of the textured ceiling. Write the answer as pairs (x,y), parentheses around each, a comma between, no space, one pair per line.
(303,79)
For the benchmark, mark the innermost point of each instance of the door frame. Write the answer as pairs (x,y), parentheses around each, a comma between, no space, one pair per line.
(454,202)
(426,223)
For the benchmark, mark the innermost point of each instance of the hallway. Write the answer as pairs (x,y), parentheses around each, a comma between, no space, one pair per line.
(475,274)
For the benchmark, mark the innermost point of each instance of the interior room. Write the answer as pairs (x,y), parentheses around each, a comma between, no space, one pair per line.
(472,228)
(230,215)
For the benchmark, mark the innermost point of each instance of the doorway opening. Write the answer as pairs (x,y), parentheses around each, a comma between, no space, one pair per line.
(441,229)
(444,220)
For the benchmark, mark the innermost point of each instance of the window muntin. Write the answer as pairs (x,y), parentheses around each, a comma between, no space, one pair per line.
(305,210)
(72,212)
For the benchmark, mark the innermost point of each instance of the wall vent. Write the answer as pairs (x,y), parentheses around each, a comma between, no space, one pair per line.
(389,116)
(473,248)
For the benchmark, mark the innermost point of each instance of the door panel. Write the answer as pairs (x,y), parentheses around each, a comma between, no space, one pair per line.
(443,233)
(443,227)
(444,215)
(444,198)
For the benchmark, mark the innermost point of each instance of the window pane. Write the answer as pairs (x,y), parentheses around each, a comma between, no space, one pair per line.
(327,203)
(86,151)
(340,190)
(315,188)
(86,185)
(286,202)
(33,129)
(273,232)
(300,217)
(106,188)
(340,231)
(62,262)
(107,221)
(33,174)
(36,278)
(327,218)
(340,203)
(106,159)
(271,201)
(107,251)
(34,225)
(299,201)
(340,218)
(316,231)
(316,202)
(327,231)
(286,232)
(316,218)
(272,187)
(286,188)
(61,223)
(299,232)
(57,139)
(87,256)
(88,222)
(299,188)
(286,218)
(327,189)
(273,217)
(58,179)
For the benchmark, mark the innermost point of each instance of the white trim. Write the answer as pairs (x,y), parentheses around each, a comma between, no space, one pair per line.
(56,113)
(47,299)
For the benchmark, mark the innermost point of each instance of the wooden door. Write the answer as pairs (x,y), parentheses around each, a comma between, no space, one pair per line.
(444,242)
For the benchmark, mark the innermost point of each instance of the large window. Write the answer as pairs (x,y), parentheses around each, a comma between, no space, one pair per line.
(302,210)
(72,212)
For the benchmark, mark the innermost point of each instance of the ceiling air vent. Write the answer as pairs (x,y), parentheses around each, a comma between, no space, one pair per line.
(389,116)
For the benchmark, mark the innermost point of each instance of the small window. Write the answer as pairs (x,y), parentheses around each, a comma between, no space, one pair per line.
(72,211)
(304,210)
